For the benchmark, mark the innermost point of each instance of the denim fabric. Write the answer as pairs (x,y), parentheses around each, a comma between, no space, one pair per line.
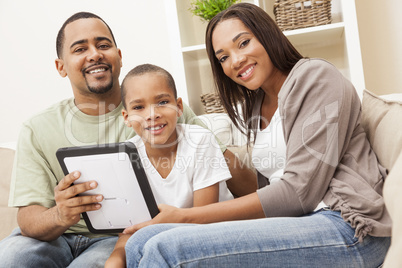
(320,239)
(68,250)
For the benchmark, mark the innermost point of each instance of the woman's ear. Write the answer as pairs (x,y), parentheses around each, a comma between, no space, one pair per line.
(125,116)
(179,107)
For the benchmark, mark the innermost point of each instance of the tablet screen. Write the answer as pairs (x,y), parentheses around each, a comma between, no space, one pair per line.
(121,180)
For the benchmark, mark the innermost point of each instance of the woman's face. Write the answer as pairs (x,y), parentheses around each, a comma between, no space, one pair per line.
(242,56)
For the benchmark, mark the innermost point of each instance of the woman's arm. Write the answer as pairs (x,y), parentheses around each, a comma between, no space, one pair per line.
(242,208)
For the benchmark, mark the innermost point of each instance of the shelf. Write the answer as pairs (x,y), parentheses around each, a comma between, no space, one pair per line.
(337,42)
(313,35)
(299,37)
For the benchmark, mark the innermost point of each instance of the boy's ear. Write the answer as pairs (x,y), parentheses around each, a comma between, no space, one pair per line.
(125,116)
(179,107)
(60,67)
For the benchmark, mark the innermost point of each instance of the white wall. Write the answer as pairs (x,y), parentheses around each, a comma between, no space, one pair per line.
(29,81)
(380,31)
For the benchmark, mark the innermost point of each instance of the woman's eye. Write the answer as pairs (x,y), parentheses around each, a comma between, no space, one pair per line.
(222,59)
(245,43)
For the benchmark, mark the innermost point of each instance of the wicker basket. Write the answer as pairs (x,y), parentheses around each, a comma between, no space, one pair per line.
(295,14)
(212,103)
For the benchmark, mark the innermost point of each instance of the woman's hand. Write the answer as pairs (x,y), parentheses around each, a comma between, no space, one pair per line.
(167,214)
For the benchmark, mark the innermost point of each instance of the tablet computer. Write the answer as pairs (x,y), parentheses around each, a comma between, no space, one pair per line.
(117,168)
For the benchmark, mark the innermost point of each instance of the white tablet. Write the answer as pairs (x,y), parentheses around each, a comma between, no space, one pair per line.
(121,179)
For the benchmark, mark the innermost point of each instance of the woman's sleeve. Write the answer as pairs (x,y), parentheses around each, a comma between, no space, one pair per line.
(319,108)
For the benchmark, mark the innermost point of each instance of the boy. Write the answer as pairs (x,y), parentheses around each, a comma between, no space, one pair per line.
(183,166)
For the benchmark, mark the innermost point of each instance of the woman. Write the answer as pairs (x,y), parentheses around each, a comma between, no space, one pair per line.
(326,210)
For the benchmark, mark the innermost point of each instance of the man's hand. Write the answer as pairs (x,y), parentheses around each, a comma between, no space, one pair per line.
(69,205)
(47,224)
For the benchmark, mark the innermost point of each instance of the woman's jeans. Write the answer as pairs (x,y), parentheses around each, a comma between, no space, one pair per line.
(69,250)
(320,239)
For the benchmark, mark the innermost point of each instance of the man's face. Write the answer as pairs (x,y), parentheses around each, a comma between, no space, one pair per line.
(90,58)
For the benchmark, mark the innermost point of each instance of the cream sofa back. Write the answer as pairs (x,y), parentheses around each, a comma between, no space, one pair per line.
(382,121)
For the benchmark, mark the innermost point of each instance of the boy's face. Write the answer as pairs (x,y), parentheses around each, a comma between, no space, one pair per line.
(152,109)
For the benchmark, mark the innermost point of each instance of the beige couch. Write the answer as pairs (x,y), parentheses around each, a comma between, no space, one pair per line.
(381,118)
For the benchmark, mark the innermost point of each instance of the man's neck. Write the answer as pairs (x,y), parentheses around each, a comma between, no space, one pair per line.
(98,104)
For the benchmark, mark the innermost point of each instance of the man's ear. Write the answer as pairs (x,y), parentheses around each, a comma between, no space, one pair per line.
(125,116)
(121,58)
(179,107)
(60,67)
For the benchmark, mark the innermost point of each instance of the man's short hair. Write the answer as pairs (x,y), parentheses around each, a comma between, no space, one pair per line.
(76,16)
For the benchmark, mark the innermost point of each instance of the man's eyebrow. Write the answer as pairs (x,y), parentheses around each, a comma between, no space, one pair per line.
(102,38)
(83,41)
(233,40)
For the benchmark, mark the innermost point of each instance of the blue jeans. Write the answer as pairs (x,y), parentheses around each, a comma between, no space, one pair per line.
(320,239)
(69,250)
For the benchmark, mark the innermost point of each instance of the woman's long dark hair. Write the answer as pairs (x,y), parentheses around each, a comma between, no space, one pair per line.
(281,52)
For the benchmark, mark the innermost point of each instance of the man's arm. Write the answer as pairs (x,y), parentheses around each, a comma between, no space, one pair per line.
(244,180)
(47,224)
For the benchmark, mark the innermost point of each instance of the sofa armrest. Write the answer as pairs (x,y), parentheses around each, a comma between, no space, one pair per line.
(8,215)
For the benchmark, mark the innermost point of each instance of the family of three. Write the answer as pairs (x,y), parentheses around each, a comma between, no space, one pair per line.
(322,208)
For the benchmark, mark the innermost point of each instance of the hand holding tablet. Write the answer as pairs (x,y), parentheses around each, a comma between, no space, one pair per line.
(117,168)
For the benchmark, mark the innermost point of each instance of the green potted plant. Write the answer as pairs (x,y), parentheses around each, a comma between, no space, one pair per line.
(207,9)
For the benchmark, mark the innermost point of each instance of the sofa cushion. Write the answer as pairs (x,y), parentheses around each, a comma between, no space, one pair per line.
(8,215)
(220,125)
(381,119)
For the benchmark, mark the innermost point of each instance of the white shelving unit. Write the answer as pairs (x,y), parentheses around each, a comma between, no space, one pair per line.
(337,42)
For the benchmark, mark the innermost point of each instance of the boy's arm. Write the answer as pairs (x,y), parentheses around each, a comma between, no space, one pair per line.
(207,195)
(118,257)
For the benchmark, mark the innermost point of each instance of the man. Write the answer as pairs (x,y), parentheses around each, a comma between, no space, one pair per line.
(52,233)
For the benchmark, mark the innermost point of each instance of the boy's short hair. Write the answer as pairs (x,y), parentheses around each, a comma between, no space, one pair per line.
(145,69)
